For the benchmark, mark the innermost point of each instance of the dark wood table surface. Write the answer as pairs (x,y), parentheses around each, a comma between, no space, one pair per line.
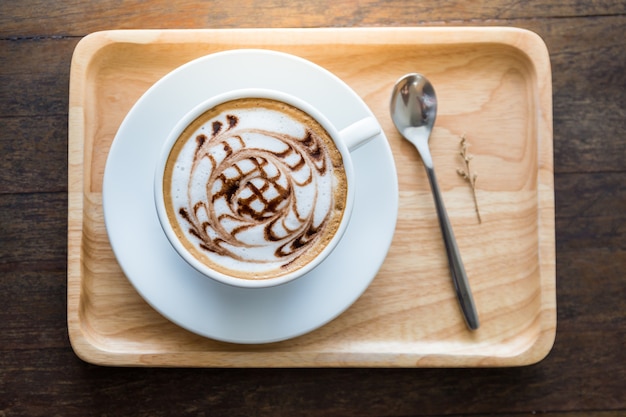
(585,373)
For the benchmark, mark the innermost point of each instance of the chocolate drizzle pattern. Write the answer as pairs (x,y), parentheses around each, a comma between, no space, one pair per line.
(260,196)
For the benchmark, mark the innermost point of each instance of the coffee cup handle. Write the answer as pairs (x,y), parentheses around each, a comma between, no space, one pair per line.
(359,133)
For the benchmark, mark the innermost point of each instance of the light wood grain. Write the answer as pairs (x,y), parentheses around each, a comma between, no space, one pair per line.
(494,86)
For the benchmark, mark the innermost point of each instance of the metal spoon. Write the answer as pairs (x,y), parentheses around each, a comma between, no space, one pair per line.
(413,110)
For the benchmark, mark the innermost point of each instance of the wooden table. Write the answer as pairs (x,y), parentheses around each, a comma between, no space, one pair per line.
(583,374)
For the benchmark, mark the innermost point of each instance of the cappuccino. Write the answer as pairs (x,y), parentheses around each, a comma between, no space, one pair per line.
(255,188)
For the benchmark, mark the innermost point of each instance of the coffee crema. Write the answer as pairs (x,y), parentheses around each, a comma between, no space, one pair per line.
(255,188)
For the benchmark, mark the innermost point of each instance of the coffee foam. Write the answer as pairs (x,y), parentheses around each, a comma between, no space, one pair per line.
(255,188)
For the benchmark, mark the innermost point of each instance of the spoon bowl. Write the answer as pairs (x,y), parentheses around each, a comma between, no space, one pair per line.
(414,107)
(413,110)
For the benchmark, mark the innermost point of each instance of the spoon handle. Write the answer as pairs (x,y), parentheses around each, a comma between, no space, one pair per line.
(459,277)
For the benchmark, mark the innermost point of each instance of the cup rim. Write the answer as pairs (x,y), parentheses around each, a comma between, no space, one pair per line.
(196,112)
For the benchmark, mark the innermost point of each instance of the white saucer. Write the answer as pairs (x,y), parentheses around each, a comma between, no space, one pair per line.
(198,303)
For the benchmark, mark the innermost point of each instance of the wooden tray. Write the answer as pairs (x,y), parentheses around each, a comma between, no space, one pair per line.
(493,85)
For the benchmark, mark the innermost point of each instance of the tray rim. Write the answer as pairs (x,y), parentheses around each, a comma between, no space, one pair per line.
(525,41)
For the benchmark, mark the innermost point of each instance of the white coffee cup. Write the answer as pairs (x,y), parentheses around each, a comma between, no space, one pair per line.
(237,272)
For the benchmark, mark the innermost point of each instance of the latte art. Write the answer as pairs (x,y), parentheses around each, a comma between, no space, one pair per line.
(255,188)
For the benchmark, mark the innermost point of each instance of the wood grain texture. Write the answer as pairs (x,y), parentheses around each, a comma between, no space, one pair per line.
(554,385)
(582,376)
(34,83)
(78,18)
(390,324)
